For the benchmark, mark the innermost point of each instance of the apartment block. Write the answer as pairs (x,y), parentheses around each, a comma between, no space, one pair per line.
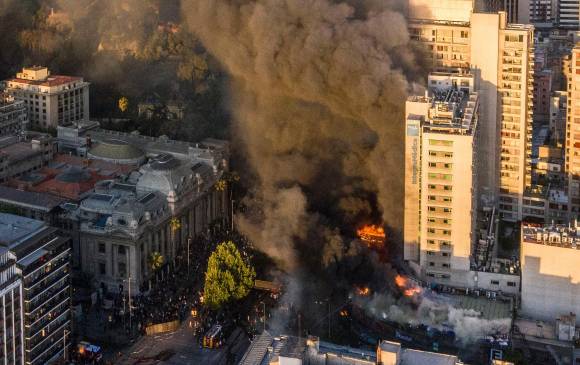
(13,115)
(569,14)
(573,131)
(441,177)
(550,274)
(500,55)
(51,100)
(12,326)
(43,257)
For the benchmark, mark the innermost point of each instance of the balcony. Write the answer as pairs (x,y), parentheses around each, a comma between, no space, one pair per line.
(40,288)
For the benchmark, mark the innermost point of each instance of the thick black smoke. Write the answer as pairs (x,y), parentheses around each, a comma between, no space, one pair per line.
(318,90)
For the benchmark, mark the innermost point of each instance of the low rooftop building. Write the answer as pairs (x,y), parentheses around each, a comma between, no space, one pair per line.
(269,350)
(13,115)
(550,271)
(83,138)
(22,154)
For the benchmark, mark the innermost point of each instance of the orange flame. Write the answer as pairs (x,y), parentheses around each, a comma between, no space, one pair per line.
(372,234)
(409,288)
(343,313)
(400,281)
(412,291)
(363,291)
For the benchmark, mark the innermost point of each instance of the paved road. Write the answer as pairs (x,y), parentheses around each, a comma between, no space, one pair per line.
(185,348)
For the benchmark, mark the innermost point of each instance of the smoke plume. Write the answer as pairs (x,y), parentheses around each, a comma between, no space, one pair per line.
(436,311)
(317,93)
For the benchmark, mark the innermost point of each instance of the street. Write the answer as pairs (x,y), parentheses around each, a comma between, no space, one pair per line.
(180,348)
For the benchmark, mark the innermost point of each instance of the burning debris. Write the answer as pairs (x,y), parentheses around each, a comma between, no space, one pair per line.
(372,235)
(421,312)
(363,292)
(408,287)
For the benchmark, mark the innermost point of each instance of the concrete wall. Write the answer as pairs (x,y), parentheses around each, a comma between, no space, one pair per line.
(550,281)
(412,180)
(454,10)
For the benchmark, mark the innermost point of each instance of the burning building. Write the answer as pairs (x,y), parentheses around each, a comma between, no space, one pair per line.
(372,235)
(408,287)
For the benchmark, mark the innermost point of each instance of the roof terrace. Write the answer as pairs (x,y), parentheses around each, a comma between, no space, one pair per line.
(567,236)
(452,111)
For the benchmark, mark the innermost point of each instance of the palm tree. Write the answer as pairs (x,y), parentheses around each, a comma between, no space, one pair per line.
(156,260)
(174,224)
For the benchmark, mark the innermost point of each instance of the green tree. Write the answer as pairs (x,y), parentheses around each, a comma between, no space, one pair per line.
(228,276)
(156,260)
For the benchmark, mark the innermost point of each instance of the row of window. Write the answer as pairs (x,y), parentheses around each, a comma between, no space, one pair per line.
(439,142)
(440,187)
(440,154)
(440,165)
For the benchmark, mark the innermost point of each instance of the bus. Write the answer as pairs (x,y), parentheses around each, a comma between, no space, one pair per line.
(214,337)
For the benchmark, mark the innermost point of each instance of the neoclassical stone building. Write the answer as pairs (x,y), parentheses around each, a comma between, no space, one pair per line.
(124,222)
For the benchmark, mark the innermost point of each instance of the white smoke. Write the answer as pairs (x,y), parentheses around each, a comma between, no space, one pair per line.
(435,311)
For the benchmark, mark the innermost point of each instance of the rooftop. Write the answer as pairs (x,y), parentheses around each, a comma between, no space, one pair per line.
(452,111)
(417,357)
(15,229)
(34,200)
(50,81)
(116,149)
(560,235)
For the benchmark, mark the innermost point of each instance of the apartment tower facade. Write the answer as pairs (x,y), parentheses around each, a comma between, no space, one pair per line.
(500,56)
(441,177)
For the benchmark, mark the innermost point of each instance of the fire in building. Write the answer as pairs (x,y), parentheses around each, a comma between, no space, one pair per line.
(372,235)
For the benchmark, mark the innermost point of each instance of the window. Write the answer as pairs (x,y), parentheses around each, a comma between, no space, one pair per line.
(437,142)
(122,269)
(431,264)
(102,268)
(511,283)
(122,250)
(445,266)
(102,248)
(495,282)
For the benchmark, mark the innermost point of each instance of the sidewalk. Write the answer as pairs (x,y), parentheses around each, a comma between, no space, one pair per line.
(96,328)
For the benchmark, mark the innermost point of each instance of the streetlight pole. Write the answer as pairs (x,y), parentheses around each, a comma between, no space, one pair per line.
(233,215)
(264,315)
(188,242)
(64,343)
(130,309)
(328,301)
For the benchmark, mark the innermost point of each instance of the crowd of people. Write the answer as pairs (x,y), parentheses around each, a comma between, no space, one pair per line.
(176,289)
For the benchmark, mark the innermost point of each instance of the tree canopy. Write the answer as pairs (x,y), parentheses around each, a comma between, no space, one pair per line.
(156,260)
(228,276)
